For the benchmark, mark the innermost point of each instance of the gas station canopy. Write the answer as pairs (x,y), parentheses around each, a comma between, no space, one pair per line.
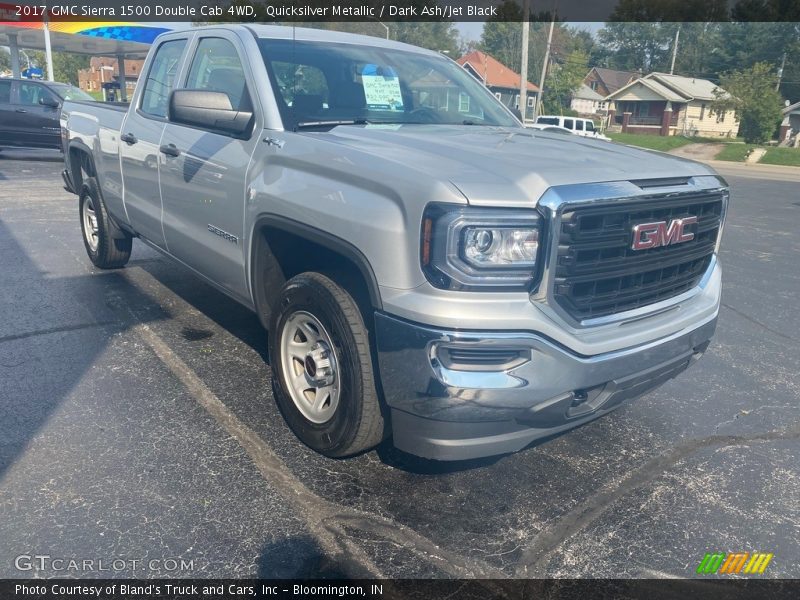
(129,40)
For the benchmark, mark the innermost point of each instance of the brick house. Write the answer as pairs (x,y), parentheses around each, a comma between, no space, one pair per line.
(104,69)
(607,81)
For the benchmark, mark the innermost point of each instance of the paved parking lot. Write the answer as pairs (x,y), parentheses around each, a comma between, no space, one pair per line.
(137,424)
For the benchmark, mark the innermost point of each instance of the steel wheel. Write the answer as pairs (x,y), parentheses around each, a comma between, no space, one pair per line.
(310,368)
(90,230)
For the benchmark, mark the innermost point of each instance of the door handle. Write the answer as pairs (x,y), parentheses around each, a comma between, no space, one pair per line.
(21,110)
(128,138)
(170,150)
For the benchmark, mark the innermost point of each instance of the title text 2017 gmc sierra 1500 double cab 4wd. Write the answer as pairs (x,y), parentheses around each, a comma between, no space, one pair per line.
(426,268)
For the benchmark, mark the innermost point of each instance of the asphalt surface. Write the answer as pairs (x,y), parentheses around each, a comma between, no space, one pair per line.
(137,424)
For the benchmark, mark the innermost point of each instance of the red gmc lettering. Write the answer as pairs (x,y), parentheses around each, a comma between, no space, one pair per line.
(653,235)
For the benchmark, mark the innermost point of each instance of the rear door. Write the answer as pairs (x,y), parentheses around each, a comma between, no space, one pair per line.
(204,173)
(34,124)
(7,114)
(141,136)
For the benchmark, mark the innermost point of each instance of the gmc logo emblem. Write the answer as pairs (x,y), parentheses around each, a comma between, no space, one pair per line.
(653,235)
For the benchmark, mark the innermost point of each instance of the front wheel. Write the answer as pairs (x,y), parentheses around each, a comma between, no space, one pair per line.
(322,374)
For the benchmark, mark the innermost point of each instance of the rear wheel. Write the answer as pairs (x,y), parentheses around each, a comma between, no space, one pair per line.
(322,372)
(105,250)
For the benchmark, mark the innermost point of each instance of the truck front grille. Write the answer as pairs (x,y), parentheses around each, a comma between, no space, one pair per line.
(597,273)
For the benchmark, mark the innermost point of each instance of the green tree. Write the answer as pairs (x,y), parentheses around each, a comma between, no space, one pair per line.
(751,93)
(636,46)
(66,66)
(5,59)
(502,35)
(563,79)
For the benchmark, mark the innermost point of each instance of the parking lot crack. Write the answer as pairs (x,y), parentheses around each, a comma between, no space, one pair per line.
(535,559)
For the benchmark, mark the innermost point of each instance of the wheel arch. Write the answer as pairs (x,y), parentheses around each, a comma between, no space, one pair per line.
(273,262)
(80,160)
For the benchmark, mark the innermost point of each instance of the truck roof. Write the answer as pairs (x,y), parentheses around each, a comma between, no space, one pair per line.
(307,34)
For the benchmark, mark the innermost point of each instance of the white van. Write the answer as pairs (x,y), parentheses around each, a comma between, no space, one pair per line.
(578,126)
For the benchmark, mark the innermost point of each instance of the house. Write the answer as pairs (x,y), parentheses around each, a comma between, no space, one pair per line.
(607,81)
(500,80)
(105,70)
(586,101)
(790,126)
(662,104)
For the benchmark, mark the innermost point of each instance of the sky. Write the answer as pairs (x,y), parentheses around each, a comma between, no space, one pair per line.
(472,31)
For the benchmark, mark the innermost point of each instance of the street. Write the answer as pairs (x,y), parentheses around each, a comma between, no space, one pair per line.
(138,430)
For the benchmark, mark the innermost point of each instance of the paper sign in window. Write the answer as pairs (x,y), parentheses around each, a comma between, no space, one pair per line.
(381,88)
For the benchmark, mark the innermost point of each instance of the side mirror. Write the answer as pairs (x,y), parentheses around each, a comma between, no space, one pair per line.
(208,110)
(48,101)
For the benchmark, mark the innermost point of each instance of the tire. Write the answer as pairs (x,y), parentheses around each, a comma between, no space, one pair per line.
(105,251)
(352,421)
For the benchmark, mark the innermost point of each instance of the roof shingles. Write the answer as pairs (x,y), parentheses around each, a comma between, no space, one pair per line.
(492,71)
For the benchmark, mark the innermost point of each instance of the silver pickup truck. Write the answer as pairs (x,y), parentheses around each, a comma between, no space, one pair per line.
(427,269)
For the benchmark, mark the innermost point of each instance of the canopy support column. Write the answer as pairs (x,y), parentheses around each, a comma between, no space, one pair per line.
(13,49)
(123,82)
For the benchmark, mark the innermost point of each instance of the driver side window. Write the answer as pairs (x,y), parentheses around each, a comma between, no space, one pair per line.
(216,67)
(31,93)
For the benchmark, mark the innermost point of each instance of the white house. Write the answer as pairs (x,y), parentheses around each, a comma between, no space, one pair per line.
(587,102)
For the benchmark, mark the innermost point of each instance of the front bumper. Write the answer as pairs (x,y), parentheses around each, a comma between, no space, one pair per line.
(453,411)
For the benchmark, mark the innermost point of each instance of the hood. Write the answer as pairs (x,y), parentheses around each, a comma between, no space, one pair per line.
(507,166)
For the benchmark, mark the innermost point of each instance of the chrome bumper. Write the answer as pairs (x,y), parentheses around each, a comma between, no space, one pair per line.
(449,413)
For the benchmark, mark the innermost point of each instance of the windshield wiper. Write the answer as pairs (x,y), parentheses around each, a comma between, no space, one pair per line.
(312,124)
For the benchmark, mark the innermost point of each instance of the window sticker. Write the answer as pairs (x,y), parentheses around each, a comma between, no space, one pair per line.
(381,88)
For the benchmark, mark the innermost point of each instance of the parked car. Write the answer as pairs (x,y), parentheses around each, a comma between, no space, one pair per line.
(427,269)
(29,112)
(549,128)
(576,125)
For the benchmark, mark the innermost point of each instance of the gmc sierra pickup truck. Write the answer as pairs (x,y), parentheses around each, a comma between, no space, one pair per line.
(427,269)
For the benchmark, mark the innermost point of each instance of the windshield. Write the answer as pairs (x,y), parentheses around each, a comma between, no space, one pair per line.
(324,84)
(70,92)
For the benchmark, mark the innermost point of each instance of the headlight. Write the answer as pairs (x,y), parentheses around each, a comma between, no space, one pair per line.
(469,247)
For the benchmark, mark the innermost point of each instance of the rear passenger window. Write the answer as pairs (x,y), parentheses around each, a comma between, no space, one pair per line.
(579,125)
(161,78)
(5,92)
(569,123)
(216,67)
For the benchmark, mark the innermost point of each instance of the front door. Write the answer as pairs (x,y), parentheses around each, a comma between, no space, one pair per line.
(35,124)
(140,138)
(204,173)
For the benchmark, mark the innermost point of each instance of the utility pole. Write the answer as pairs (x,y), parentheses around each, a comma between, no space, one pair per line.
(780,73)
(523,68)
(674,50)
(544,65)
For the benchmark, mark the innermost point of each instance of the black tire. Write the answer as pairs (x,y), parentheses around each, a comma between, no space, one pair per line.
(357,424)
(111,252)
